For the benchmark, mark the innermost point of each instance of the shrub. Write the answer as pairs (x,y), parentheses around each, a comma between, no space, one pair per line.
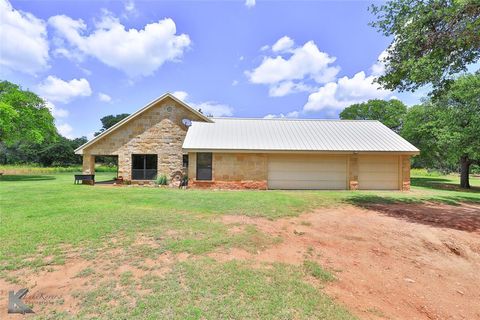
(162,180)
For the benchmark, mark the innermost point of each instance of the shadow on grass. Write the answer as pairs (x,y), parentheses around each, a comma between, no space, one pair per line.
(438,211)
(24,177)
(440,184)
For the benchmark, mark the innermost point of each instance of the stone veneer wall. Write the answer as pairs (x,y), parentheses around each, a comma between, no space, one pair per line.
(353,172)
(232,171)
(249,171)
(405,163)
(159,130)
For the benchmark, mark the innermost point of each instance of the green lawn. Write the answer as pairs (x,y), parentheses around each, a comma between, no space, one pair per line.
(44,217)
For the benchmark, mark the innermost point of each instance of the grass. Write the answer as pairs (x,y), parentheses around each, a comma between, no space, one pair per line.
(205,289)
(45,216)
(65,214)
(315,270)
(35,169)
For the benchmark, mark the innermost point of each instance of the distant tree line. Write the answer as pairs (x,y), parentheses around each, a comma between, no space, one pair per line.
(27,131)
(28,134)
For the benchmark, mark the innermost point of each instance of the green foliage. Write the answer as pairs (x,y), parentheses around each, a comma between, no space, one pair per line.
(390,113)
(203,288)
(24,116)
(110,120)
(421,128)
(58,152)
(447,128)
(54,213)
(433,40)
(61,152)
(162,180)
(315,270)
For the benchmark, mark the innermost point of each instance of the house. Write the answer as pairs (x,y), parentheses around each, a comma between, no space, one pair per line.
(169,137)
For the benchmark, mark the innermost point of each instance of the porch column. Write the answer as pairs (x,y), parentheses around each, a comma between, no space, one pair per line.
(192,167)
(88,166)
(405,162)
(353,172)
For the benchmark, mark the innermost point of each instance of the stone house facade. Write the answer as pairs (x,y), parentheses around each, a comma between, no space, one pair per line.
(168,137)
(158,129)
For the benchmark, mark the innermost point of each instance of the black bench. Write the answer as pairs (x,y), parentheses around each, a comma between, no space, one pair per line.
(84,177)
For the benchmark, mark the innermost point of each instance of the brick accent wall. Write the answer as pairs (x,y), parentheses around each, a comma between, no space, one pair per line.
(232,171)
(159,130)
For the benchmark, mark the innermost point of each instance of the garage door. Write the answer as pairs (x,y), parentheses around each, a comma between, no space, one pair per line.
(307,172)
(378,173)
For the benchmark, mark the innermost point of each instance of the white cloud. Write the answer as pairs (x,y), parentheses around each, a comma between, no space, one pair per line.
(65,130)
(213,108)
(283,44)
(208,108)
(283,88)
(250,3)
(234,82)
(23,40)
(135,52)
(292,114)
(378,68)
(129,9)
(129,6)
(104,97)
(241,58)
(306,63)
(265,47)
(181,95)
(344,92)
(58,90)
(56,112)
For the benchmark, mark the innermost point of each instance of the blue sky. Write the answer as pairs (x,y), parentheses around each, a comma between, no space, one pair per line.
(307,59)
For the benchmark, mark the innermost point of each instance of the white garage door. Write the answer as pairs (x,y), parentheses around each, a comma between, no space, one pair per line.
(378,172)
(307,172)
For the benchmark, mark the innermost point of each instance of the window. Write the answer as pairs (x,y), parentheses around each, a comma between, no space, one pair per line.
(185,160)
(144,166)
(204,166)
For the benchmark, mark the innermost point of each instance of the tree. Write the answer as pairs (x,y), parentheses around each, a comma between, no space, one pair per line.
(110,120)
(460,107)
(24,116)
(421,127)
(447,128)
(433,40)
(390,113)
(61,152)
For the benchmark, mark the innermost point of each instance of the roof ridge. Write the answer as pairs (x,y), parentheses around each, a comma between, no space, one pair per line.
(294,119)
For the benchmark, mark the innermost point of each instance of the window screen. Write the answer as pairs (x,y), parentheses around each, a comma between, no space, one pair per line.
(204,166)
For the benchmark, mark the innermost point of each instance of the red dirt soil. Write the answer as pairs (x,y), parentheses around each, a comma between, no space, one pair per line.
(396,261)
(392,262)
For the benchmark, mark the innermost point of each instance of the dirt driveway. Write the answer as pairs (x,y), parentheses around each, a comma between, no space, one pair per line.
(392,262)
(410,261)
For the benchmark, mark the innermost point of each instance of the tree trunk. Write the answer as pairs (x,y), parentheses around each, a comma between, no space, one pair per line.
(464,172)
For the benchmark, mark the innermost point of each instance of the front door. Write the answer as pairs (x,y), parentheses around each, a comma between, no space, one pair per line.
(144,166)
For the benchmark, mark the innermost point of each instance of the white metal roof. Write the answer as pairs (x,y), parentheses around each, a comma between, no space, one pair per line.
(294,135)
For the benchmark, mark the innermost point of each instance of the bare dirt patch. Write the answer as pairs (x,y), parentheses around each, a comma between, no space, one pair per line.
(59,288)
(397,261)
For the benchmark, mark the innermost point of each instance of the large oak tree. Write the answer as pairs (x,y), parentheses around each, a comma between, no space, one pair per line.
(447,128)
(433,41)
